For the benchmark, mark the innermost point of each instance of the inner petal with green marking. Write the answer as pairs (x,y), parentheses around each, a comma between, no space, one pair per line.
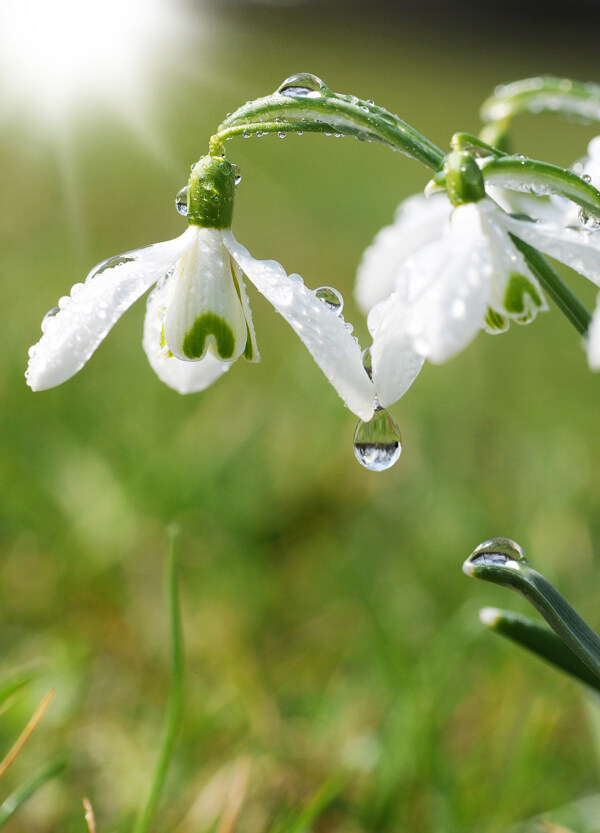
(204,309)
(522,298)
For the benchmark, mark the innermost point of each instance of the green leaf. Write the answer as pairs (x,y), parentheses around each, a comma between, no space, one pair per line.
(540,640)
(29,787)
(175,706)
(503,562)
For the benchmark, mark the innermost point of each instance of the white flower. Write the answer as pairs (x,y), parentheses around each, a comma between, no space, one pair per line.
(454,271)
(198,318)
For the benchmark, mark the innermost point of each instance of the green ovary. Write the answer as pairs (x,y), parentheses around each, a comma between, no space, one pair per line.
(205,326)
(515,301)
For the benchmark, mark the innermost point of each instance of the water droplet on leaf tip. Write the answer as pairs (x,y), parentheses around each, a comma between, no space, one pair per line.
(377,443)
(301,85)
(331,298)
(499,552)
(181,201)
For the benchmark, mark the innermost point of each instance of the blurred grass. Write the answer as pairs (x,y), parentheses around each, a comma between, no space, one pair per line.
(328,626)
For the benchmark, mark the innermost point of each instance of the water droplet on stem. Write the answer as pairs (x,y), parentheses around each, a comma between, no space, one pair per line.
(301,85)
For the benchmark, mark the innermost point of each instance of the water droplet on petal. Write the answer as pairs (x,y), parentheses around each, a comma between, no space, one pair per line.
(52,313)
(589,221)
(331,298)
(64,302)
(500,552)
(377,443)
(76,288)
(302,85)
(117,260)
(181,201)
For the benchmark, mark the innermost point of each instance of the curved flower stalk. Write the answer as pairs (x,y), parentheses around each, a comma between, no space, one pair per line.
(198,318)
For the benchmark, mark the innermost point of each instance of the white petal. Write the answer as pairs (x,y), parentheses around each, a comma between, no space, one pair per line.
(593,339)
(204,311)
(579,249)
(447,288)
(395,363)
(71,336)
(419,221)
(514,290)
(184,377)
(328,338)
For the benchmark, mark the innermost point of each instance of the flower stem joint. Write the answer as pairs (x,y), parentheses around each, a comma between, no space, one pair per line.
(463,179)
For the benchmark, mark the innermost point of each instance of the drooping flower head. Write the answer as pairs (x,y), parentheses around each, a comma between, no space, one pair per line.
(198,319)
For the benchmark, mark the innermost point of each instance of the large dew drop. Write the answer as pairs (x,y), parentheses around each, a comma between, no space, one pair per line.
(498,552)
(331,298)
(377,443)
(302,85)
(181,201)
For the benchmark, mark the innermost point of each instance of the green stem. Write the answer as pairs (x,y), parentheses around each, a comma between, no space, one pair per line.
(562,295)
(11,804)
(518,173)
(539,95)
(329,112)
(175,706)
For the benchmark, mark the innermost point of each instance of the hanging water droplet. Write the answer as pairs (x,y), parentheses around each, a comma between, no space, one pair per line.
(498,552)
(589,221)
(281,134)
(377,443)
(181,201)
(52,313)
(237,174)
(301,85)
(331,298)
(367,361)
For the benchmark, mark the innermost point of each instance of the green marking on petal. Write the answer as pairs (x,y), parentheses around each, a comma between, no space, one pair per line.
(249,353)
(495,322)
(515,300)
(206,326)
(162,341)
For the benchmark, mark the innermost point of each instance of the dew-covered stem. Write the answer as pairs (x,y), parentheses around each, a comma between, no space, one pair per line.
(304,100)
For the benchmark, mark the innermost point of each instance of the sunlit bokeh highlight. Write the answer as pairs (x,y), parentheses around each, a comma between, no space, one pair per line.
(68,55)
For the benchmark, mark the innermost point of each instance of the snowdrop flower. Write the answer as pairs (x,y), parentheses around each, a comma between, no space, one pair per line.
(198,318)
(454,270)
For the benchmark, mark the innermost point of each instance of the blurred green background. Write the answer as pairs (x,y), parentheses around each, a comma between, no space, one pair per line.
(329,628)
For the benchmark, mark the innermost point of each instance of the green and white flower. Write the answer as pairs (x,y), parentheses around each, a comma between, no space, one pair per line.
(198,318)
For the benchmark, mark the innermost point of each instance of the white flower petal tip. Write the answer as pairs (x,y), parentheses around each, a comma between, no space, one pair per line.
(75,328)
(326,335)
